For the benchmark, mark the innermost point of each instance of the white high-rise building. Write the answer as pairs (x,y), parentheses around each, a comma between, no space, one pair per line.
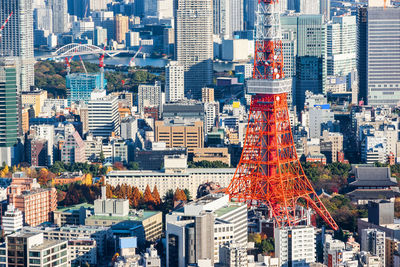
(45,131)
(60,15)
(373,241)
(104,119)
(149,96)
(43,19)
(228,16)
(12,220)
(165,9)
(194,43)
(174,82)
(17,38)
(295,246)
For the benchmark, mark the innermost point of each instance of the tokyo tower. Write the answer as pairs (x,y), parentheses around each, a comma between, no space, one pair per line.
(269,171)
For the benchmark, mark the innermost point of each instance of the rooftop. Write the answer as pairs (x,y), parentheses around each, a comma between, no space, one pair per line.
(48,243)
(373,176)
(75,207)
(222,211)
(131,217)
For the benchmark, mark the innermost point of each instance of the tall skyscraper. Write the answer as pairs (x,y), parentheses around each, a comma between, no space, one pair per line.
(249,17)
(60,15)
(379,55)
(174,82)
(228,17)
(104,117)
(342,55)
(8,111)
(121,27)
(311,69)
(17,38)
(194,43)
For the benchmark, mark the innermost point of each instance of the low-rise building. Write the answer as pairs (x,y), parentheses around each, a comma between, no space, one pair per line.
(212,154)
(81,252)
(73,215)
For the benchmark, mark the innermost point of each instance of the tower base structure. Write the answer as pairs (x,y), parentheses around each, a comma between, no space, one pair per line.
(269,171)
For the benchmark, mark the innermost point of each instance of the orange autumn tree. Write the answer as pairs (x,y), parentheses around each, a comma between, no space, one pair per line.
(148,197)
(134,201)
(180,195)
(156,196)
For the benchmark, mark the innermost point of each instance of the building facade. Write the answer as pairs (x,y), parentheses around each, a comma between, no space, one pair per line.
(174,82)
(194,43)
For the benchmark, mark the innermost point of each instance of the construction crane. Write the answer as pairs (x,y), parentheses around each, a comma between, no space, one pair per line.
(101,64)
(5,22)
(132,62)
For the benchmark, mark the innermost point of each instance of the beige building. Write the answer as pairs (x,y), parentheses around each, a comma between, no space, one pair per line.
(180,133)
(121,27)
(391,246)
(207,95)
(334,142)
(35,99)
(212,154)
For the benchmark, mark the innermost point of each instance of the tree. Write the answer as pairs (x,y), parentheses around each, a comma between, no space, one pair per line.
(179,195)
(187,194)
(136,197)
(88,179)
(156,196)
(101,157)
(132,165)
(148,197)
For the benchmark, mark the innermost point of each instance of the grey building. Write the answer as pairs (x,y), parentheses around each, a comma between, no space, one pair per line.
(194,43)
(379,55)
(17,38)
(311,67)
(60,15)
(373,241)
(380,213)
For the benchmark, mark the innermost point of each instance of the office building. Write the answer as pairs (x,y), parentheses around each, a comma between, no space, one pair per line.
(43,19)
(60,15)
(121,27)
(129,128)
(306,7)
(373,241)
(36,205)
(175,174)
(233,254)
(35,99)
(81,85)
(342,53)
(17,39)
(197,231)
(174,82)
(82,251)
(73,148)
(100,36)
(45,132)
(12,220)
(104,119)
(180,133)
(228,17)
(194,43)
(37,152)
(31,249)
(191,110)
(295,246)
(378,53)
(149,96)
(311,54)
(8,112)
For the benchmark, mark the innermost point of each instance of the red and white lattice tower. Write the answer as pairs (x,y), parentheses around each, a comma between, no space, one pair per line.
(269,171)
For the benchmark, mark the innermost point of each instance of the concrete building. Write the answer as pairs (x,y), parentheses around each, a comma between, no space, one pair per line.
(377,49)
(232,254)
(311,67)
(212,154)
(104,119)
(73,148)
(228,17)
(207,95)
(121,27)
(295,246)
(12,220)
(35,99)
(194,43)
(81,85)
(129,128)
(17,39)
(45,132)
(9,122)
(100,36)
(37,152)
(73,215)
(82,251)
(60,15)
(36,250)
(175,175)
(341,55)
(180,133)
(36,205)
(149,96)
(174,82)
(373,241)
(209,220)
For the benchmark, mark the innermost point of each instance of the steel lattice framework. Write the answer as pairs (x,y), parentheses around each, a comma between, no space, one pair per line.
(269,171)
